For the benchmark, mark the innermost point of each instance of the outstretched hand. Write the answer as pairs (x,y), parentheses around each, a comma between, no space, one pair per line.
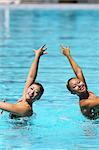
(65,50)
(40,51)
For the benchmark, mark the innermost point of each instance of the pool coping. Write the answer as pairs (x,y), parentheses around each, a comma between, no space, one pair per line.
(52,6)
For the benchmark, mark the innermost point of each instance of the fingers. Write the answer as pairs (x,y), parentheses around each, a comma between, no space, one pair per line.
(41,50)
(43,47)
(61,50)
(34,51)
(64,47)
(45,53)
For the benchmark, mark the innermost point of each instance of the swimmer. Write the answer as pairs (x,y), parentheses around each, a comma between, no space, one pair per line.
(88,101)
(32,91)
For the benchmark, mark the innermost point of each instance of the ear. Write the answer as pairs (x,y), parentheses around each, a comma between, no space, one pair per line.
(39,96)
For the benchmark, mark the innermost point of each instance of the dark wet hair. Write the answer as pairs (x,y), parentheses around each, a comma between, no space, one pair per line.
(41,89)
(68,86)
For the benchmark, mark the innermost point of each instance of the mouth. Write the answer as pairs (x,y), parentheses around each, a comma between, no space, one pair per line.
(82,88)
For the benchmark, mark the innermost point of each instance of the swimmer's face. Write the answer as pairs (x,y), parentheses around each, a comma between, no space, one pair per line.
(77,86)
(33,93)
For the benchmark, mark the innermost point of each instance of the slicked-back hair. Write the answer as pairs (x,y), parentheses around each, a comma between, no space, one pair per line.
(68,86)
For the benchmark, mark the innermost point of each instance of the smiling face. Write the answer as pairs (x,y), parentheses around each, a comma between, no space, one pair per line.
(76,86)
(34,92)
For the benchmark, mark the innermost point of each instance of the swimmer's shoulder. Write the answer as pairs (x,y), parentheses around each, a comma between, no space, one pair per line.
(92,97)
(27,112)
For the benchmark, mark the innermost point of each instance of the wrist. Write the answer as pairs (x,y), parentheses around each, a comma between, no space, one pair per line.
(37,55)
(68,56)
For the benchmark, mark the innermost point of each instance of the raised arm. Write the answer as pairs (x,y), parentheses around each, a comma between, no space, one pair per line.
(34,67)
(77,70)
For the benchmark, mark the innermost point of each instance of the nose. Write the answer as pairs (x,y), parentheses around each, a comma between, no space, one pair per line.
(79,85)
(32,92)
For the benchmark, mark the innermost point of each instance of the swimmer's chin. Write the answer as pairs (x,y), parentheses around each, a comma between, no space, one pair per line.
(83,90)
(27,97)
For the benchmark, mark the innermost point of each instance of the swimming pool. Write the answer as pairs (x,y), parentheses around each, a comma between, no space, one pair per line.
(57,123)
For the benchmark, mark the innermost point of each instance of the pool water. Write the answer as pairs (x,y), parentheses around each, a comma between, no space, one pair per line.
(57,123)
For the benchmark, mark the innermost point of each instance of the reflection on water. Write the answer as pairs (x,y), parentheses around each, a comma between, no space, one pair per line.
(24,122)
(90,129)
(19,123)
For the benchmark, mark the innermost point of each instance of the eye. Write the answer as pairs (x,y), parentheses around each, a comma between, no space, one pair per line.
(36,92)
(74,86)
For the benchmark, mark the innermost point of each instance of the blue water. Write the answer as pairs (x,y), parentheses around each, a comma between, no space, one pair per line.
(57,122)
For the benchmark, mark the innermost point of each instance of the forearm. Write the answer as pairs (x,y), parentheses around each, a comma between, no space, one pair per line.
(6,106)
(74,65)
(32,73)
(34,68)
(13,108)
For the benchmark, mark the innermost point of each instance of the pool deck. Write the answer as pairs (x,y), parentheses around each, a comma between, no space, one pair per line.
(51,6)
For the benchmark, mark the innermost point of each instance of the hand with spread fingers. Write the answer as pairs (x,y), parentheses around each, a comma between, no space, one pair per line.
(41,51)
(65,50)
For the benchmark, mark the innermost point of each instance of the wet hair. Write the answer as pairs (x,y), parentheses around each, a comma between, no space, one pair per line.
(68,85)
(41,89)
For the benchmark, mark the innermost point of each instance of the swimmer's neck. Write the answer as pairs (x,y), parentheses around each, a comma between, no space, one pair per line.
(84,95)
(30,102)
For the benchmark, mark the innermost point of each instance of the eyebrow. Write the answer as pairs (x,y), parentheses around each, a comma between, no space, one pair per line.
(36,90)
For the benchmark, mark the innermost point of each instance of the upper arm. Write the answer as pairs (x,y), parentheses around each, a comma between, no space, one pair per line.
(90,103)
(14,108)
(29,81)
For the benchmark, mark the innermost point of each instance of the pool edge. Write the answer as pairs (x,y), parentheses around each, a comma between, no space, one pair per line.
(51,6)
